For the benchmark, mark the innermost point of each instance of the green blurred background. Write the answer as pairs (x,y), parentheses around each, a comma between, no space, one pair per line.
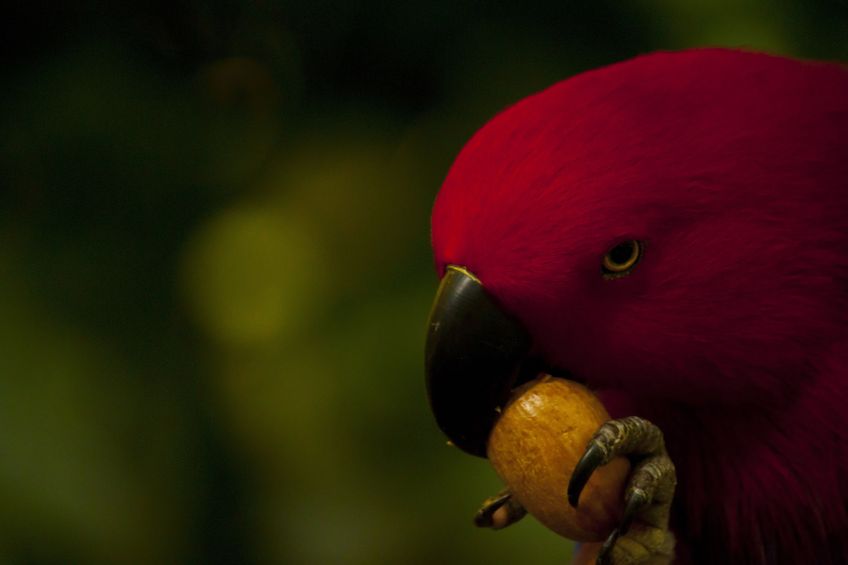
(215,268)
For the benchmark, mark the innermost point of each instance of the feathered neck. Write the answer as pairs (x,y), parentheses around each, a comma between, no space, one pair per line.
(766,484)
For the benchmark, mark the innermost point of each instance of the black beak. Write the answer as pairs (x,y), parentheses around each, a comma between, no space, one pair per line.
(473,355)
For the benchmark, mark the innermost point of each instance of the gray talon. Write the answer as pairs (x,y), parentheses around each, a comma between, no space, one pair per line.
(485,516)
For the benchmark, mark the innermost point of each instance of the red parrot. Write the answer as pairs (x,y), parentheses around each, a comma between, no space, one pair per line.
(671,231)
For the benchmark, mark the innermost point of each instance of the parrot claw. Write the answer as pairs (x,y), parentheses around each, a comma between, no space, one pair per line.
(648,495)
(591,460)
(605,555)
(499,511)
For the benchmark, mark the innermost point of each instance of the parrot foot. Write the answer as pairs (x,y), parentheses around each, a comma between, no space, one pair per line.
(647,497)
(499,511)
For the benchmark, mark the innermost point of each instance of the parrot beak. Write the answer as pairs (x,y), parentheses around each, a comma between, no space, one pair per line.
(473,357)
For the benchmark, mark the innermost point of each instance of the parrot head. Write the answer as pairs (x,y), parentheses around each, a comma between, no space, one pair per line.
(644,227)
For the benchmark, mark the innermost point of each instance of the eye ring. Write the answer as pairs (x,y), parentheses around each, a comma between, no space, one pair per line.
(620,260)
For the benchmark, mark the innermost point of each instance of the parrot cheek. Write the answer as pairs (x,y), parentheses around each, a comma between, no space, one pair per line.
(563,341)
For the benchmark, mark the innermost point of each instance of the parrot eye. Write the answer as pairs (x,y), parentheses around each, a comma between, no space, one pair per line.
(621,259)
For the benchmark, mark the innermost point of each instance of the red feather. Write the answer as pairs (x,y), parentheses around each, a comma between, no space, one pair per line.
(732,331)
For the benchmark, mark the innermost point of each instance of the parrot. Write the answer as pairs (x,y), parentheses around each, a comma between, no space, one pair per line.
(671,231)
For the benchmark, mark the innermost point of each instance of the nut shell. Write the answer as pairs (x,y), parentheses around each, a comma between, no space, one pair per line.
(534,446)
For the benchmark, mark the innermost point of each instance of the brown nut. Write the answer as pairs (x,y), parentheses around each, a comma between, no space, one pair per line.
(534,446)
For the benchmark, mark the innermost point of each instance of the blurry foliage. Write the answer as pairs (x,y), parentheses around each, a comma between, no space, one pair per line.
(215,269)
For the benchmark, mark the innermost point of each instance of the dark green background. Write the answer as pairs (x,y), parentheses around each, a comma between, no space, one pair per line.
(215,269)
